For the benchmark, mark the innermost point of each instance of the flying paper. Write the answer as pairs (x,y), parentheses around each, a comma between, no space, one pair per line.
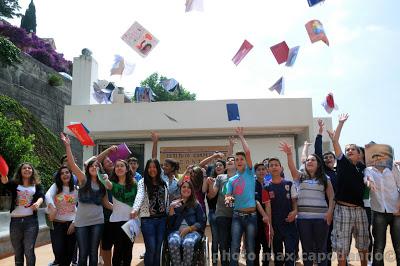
(278,86)
(3,167)
(81,133)
(171,118)
(314,2)
(280,51)
(122,152)
(140,39)
(379,155)
(316,31)
(194,5)
(122,67)
(102,90)
(292,56)
(233,111)
(244,49)
(144,95)
(329,103)
(169,85)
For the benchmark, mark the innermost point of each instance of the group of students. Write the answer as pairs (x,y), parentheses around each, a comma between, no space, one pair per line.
(322,208)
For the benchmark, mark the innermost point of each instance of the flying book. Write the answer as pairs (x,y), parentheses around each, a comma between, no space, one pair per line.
(81,133)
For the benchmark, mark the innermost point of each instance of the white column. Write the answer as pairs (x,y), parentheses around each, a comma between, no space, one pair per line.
(85,72)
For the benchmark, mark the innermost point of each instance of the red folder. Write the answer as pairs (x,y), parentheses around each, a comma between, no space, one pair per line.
(3,167)
(280,51)
(82,134)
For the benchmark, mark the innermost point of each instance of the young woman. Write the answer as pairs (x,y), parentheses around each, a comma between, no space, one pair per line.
(152,202)
(314,215)
(27,195)
(61,199)
(89,218)
(123,188)
(187,222)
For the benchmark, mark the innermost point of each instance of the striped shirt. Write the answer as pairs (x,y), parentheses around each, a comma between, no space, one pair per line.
(311,202)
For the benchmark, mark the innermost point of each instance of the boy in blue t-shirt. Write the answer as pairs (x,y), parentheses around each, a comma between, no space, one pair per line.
(280,199)
(240,189)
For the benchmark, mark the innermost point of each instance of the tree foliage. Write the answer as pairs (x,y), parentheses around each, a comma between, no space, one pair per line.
(28,21)
(9,8)
(153,82)
(9,53)
(24,138)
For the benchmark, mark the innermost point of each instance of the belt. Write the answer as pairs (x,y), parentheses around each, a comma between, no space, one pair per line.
(341,203)
(239,213)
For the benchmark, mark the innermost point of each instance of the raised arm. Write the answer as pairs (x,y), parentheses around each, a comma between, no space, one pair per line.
(246,149)
(106,152)
(318,139)
(286,148)
(304,153)
(154,138)
(232,142)
(4,179)
(205,161)
(71,162)
(335,135)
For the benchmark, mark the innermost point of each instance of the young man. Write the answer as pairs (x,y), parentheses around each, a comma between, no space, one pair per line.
(261,239)
(385,204)
(280,199)
(350,218)
(240,188)
(134,165)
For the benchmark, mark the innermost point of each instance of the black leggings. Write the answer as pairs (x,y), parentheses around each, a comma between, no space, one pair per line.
(122,254)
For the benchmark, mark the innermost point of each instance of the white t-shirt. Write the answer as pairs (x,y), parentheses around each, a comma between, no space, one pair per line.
(121,211)
(64,202)
(23,201)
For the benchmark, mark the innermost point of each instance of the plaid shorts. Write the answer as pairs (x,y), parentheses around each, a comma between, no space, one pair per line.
(348,222)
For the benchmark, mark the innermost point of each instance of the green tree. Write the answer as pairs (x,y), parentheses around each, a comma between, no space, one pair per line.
(9,8)
(153,82)
(28,21)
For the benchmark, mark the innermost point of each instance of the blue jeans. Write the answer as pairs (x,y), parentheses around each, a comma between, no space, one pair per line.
(214,244)
(380,222)
(153,230)
(313,236)
(175,242)
(284,233)
(88,238)
(23,234)
(243,224)
(224,238)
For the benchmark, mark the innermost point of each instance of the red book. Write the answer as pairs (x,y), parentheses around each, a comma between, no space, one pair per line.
(281,52)
(82,134)
(243,51)
(3,167)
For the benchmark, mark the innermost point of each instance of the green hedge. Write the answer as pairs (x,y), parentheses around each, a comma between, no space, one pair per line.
(34,141)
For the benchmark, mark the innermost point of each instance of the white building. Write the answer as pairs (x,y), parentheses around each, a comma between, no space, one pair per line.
(201,127)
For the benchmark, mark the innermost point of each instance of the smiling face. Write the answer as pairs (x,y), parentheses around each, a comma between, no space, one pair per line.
(186,191)
(93,168)
(108,165)
(311,164)
(353,153)
(230,163)
(120,168)
(26,171)
(152,170)
(134,166)
(167,168)
(219,168)
(261,171)
(65,176)
(329,160)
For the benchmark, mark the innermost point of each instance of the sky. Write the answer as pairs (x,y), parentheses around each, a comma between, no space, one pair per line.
(360,67)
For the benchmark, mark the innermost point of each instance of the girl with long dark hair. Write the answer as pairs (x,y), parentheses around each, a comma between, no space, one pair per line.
(61,200)
(151,204)
(89,218)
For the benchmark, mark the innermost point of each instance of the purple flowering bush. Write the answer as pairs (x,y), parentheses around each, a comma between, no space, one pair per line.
(36,47)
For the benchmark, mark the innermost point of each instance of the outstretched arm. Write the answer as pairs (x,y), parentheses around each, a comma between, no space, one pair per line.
(205,161)
(71,162)
(318,139)
(154,138)
(286,148)
(232,142)
(246,149)
(304,153)
(335,135)
(106,152)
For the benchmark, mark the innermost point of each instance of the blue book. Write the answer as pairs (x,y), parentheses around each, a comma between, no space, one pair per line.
(313,2)
(233,111)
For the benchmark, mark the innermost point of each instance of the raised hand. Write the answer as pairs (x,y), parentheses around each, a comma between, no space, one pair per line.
(239,131)
(65,139)
(321,125)
(343,118)
(113,148)
(232,140)
(154,136)
(285,147)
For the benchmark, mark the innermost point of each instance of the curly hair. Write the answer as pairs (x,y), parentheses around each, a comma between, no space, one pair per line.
(34,178)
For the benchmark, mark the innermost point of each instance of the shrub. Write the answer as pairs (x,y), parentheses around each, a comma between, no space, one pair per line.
(43,56)
(55,80)
(9,53)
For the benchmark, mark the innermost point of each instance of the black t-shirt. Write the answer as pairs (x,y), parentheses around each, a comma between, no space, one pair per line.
(349,181)
(212,203)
